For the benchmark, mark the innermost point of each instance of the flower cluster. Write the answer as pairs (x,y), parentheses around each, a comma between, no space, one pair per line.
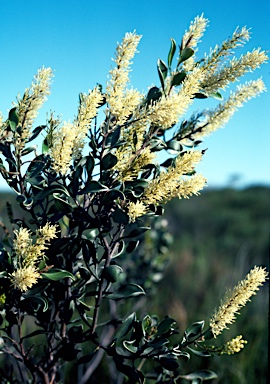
(234,346)
(28,254)
(30,103)
(237,298)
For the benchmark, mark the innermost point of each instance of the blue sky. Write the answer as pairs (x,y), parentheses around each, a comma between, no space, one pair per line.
(77,39)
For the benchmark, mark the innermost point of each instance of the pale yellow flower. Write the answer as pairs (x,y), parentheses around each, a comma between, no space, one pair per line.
(24,278)
(135,210)
(219,53)
(88,108)
(167,111)
(170,184)
(237,298)
(30,103)
(235,69)
(116,87)
(61,151)
(219,116)
(233,346)
(192,37)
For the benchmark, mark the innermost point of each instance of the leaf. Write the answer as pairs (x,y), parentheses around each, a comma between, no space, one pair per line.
(108,161)
(178,78)
(169,362)
(126,291)
(185,54)
(36,132)
(194,330)
(89,165)
(162,72)
(154,94)
(165,325)
(113,137)
(36,166)
(13,119)
(216,95)
(171,52)
(112,273)
(199,353)
(45,145)
(126,326)
(120,216)
(62,205)
(35,333)
(92,187)
(129,346)
(28,150)
(57,274)
(174,145)
(201,374)
(138,231)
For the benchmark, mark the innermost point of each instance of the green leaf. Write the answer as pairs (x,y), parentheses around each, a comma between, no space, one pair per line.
(112,273)
(108,161)
(138,231)
(113,137)
(216,95)
(185,54)
(129,346)
(36,132)
(154,94)
(120,216)
(171,52)
(92,187)
(35,333)
(174,145)
(201,374)
(28,150)
(126,291)
(126,326)
(194,330)
(169,362)
(165,325)
(199,352)
(162,72)
(45,145)
(57,274)
(178,78)
(62,205)
(200,95)
(13,119)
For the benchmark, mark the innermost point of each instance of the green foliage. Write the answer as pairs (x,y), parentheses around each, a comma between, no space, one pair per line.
(90,244)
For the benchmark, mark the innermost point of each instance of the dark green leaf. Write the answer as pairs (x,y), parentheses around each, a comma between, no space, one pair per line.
(174,145)
(129,346)
(171,52)
(36,132)
(137,231)
(199,352)
(132,245)
(178,78)
(126,326)
(57,274)
(13,119)
(92,187)
(120,216)
(25,151)
(35,333)
(112,273)
(185,54)
(165,325)
(162,72)
(200,95)
(169,362)
(108,161)
(126,291)
(62,205)
(154,94)
(194,330)
(113,137)
(89,165)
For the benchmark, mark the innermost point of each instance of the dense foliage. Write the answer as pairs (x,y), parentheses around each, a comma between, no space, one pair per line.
(92,238)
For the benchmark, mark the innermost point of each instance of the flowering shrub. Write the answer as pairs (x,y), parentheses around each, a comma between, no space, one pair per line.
(93,239)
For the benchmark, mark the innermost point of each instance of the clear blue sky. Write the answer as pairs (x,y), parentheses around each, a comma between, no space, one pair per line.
(77,39)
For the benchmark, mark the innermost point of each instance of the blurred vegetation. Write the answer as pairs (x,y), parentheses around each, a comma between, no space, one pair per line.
(218,237)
